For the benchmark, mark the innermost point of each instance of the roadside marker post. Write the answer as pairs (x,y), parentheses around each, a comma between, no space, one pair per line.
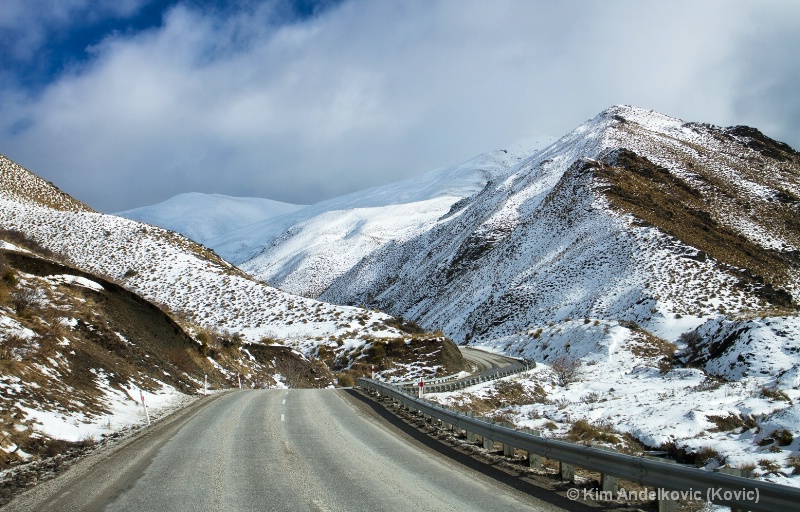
(205,384)
(421,384)
(144,406)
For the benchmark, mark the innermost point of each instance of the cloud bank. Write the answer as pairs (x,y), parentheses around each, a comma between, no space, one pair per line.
(247,102)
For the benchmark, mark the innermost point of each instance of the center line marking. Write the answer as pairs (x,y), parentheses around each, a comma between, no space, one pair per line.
(281,417)
(284,402)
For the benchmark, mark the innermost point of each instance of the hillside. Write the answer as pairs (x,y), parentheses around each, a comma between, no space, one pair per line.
(633,216)
(204,217)
(78,353)
(193,284)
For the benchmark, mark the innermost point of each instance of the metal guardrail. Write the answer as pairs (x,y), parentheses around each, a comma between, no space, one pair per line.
(436,386)
(733,491)
(435,380)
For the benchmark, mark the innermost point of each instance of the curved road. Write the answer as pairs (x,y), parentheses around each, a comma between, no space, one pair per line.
(486,361)
(261,450)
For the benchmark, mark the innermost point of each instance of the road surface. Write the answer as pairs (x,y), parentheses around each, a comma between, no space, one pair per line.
(260,450)
(486,361)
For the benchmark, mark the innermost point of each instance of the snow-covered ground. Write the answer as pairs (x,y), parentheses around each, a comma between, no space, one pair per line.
(124,411)
(719,405)
(171,270)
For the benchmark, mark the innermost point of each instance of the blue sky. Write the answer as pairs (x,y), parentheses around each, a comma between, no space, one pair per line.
(124,103)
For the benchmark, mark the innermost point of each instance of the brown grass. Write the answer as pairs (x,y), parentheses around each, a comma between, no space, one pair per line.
(691,214)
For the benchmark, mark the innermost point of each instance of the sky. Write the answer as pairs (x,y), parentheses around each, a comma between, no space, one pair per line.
(125,103)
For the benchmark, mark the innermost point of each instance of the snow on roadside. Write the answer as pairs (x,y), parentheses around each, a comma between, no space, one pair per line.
(621,385)
(124,411)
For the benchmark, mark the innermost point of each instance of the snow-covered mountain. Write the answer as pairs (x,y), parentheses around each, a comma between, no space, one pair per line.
(633,216)
(322,241)
(306,251)
(204,217)
(660,259)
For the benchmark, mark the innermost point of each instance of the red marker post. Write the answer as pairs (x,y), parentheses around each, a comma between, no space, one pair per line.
(421,385)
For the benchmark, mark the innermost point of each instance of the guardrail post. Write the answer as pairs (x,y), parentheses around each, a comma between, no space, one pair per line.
(608,483)
(746,473)
(567,471)
(534,460)
(508,450)
(488,444)
(667,506)
(664,505)
(445,425)
(472,437)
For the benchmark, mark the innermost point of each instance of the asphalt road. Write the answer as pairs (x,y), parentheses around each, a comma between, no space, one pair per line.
(281,450)
(485,361)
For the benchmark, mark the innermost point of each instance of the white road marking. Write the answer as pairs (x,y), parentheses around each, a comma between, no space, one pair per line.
(281,417)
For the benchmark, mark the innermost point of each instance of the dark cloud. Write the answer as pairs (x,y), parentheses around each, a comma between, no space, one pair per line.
(332,98)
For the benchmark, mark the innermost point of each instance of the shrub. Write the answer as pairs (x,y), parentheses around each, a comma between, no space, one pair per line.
(23,300)
(376,351)
(583,430)
(783,437)
(794,463)
(562,403)
(690,338)
(567,369)
(709,384)
(726,423)
(345,380)
(768,466)
(11,346)
(706,455)
(591,397)
(775,394)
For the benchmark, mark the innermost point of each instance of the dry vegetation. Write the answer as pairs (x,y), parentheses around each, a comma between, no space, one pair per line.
(501,395)
(393,357)
(698,213)
(20,184)
(657,352)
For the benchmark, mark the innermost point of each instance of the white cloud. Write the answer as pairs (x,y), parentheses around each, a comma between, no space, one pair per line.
(366,93)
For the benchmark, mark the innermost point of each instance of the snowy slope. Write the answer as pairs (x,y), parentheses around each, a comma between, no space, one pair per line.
(565,235)
(203,217)
(625,384)
(169,269)
(357,223)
